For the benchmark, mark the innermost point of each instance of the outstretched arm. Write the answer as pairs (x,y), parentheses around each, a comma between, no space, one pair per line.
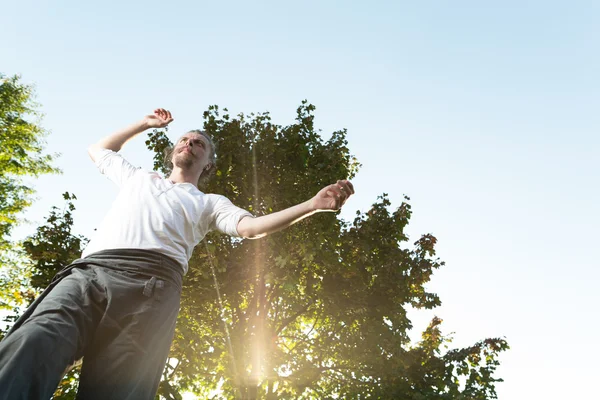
(330,198)
(159,119)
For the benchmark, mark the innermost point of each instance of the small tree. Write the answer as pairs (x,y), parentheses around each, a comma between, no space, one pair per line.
(48,250)
(53,245)
(21,151)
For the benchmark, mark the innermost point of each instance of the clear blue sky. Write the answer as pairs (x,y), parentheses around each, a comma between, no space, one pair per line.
(484,113)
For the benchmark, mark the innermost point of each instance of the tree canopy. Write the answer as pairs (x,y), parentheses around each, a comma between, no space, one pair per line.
(317,311)
(21,150)
(21,156)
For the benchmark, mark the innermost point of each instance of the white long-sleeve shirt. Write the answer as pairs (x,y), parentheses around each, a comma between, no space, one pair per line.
(152,213)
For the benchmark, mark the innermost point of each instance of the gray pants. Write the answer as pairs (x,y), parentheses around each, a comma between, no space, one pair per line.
(118,312)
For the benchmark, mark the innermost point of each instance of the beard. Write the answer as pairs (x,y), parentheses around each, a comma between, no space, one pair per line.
(183,160)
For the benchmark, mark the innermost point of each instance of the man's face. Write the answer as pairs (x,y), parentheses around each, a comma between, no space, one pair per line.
(191,151)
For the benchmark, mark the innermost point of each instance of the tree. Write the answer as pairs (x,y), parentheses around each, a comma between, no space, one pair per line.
(54,245)
(21,155)
(318,310)
(15,288)
(45,253)
(30,267)
(21,151)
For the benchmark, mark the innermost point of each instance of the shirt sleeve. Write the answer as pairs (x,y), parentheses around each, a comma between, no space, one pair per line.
(226,216)
(114,166)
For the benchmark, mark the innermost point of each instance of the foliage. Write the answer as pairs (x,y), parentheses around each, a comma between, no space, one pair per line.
(21,151)
(318,310)
(15,289)
(41,256)
(54,245)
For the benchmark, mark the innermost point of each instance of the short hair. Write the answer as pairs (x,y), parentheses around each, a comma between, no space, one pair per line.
(212,157)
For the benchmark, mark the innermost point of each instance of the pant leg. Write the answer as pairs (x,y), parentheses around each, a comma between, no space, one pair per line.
(34,356)
(132,342)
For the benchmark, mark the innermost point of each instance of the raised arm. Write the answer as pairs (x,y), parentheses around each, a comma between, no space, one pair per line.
(159,119)
(330,198)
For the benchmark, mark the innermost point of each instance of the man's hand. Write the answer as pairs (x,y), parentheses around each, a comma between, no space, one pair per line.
(159,119)
(332,197)
(115,142)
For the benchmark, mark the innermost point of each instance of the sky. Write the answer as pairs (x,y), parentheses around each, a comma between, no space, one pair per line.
(484,113)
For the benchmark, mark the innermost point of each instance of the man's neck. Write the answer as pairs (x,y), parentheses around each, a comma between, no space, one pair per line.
(179,175)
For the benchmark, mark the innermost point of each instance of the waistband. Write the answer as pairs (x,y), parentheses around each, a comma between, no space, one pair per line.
(144,262)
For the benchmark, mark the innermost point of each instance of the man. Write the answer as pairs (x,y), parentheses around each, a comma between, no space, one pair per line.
(117,305)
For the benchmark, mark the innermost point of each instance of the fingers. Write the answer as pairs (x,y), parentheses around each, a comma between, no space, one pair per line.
(350,185)
(335,198)
(346,186)
(164,115)
(345,189)
(160,113)
(339,192)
